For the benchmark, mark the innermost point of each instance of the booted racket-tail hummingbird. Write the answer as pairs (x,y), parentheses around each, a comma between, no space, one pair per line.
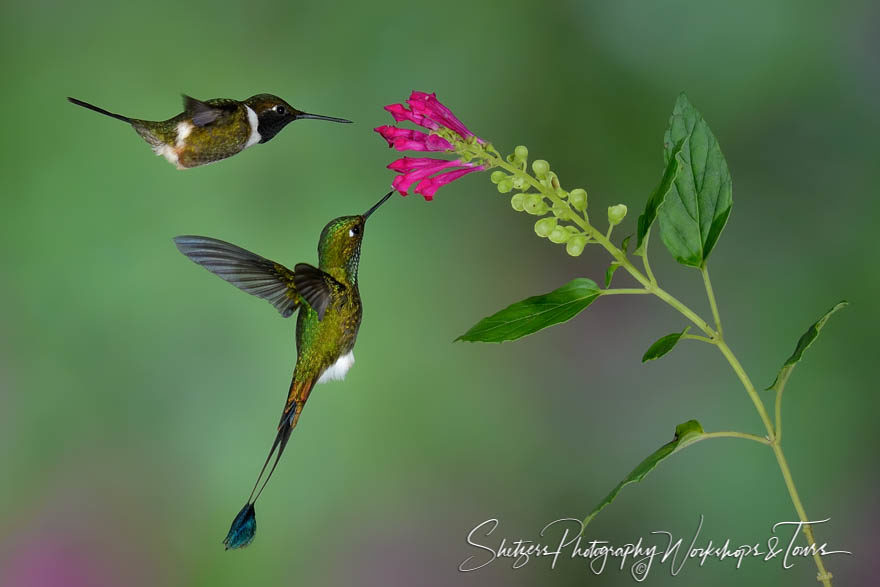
(330,312)
(211,130)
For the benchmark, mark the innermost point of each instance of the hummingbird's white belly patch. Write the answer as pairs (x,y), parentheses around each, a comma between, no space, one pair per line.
(337,370)
(170,153)
(254,137)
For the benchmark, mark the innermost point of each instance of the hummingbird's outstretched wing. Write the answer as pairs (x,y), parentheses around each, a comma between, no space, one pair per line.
(315,287)
(203,113)
(245,270)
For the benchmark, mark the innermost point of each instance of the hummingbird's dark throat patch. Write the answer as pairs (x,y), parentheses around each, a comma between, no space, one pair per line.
(271,123)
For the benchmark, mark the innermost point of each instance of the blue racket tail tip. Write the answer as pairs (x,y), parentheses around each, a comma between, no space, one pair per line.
(243,528)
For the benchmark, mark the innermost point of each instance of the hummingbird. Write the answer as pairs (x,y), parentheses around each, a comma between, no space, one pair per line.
(211,130)
(330,311)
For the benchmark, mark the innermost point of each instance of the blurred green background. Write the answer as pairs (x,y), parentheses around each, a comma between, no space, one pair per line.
(138,393)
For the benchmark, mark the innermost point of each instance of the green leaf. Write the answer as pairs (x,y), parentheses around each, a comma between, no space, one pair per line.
(658,196)
(610,272)
(613,267)
(685,434)
(697,205)
(663,345)
(803,344)
(535,313)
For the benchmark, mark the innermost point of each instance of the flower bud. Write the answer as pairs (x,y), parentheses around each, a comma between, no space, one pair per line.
(575,245)
(517,202)
(616,214)
(559,235)
(521,153)
(534,204)
(505,185)
(540,167)
(545,226)
(578,199)
(497,176)
(519,182)
(560,211)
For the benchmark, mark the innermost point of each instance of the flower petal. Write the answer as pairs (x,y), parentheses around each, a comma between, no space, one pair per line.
(389,133)
(428,106)
(428,187)
(400,112)
(404,139)
(429,143)
(407,164)
(402,183)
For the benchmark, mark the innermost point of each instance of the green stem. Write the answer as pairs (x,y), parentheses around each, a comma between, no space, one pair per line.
(780,387)
(711,294)
(733,434)
(824,576)
(618,255)
(714,336)
(646,263)
(634,290)
(747,384)
(698,337)
(779,414)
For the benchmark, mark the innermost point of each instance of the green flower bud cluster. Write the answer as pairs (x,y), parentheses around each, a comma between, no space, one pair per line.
(551,227)
(519,157)
(502,180)
(532,203)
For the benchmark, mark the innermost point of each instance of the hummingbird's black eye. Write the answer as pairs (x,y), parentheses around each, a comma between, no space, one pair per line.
(354,231)
(281,110)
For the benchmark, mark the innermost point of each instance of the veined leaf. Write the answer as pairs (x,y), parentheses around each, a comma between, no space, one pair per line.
(685,434)
(658,196)
(698,203)
(803,344)
(663,345)
(535,313)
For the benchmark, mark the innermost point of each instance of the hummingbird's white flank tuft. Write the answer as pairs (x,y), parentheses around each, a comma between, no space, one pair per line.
(255,137)
(337,370)
(169,153)
(183,130)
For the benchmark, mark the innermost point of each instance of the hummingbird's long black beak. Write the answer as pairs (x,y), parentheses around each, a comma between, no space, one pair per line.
(302,115)
(379,203)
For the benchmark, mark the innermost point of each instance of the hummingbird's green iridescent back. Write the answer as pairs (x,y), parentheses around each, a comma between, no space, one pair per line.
(187,144)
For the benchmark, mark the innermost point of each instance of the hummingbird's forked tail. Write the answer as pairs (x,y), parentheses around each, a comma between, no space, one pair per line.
(99,110)
(244,526)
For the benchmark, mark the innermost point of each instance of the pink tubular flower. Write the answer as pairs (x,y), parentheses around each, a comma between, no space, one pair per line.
(399,112)
(419,169)
(404,139)
(429,187)
(430,174)
(429,107)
